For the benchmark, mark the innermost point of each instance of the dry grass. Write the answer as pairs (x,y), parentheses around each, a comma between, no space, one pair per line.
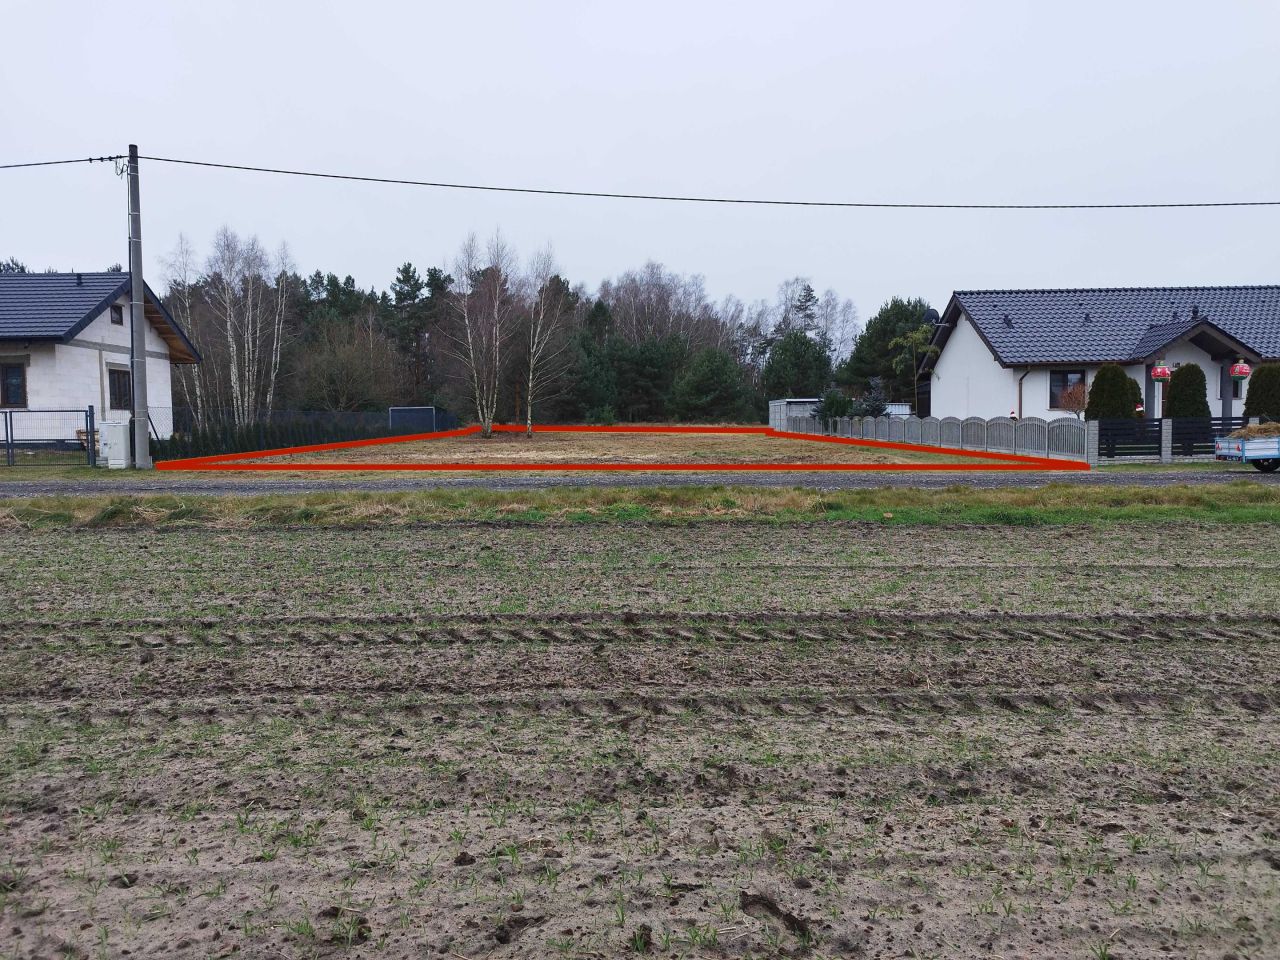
(1257,430)
(629,448)
(1242,501)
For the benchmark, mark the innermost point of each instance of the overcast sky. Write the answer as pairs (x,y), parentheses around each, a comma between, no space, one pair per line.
(945,102)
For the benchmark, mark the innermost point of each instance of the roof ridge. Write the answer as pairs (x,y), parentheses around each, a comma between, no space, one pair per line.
(1225,286)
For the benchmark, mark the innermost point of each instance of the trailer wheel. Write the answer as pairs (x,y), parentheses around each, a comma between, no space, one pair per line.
(1268,466)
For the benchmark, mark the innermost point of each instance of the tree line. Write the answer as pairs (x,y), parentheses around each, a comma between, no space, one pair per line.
(497,338)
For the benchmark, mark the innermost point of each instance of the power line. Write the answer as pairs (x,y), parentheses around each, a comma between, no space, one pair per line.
(542,191)
(669,198)
(55,163)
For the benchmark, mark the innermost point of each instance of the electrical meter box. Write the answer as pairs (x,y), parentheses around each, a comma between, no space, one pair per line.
(113,444)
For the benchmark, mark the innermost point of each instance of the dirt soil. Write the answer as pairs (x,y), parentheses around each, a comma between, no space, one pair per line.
(633,448)
(719,740)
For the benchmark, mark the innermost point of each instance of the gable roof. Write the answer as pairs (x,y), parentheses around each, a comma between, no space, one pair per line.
(1115,324)
(57,306)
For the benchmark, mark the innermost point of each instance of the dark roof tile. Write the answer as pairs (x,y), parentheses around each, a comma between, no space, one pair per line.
(1118,323)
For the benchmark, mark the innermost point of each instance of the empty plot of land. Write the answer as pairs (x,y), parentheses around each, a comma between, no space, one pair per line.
(515,449)
(714,740)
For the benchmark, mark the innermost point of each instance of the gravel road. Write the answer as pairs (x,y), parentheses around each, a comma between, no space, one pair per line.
(244,484)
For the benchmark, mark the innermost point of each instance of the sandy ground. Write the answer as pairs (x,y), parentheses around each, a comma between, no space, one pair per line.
(707,741)
(637,448)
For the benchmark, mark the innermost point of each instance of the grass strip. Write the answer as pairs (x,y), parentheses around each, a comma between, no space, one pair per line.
(1058,504)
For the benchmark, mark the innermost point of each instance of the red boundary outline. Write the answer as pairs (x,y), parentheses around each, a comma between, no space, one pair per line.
(999,461)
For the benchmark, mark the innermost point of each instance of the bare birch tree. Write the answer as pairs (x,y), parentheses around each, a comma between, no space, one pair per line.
(484,319)
(546,341)
(243,290)
(194,380)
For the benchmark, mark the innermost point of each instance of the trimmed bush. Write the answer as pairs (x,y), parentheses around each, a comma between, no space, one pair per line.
(1263,396)
(1114,395)
(1188,393)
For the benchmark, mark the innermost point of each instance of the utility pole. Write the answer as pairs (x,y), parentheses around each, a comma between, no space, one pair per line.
(138,324)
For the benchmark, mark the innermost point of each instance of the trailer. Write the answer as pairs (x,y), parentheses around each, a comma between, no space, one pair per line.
(1262,452)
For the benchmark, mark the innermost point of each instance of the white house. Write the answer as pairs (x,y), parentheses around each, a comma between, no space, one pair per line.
(65,345)
(1003,351)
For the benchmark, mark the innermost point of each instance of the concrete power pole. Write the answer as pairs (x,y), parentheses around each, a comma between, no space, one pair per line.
(138,323)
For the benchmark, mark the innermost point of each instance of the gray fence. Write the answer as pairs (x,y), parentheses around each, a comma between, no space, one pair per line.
(1066,437)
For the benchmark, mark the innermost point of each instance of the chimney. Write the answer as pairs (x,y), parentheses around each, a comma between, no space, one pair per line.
(79,279)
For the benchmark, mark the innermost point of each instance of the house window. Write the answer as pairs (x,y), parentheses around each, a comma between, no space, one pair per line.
(1237,388)
(117,315)
(13,385)
(1060,381)
(121,395)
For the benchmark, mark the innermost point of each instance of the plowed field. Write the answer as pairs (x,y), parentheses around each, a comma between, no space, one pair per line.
(710,740)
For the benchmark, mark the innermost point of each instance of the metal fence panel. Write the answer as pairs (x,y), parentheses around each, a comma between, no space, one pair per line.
(1195,436)
(952,431)
(1066,437)
(930,431)
(1031,437)
(1000,434)
(1129,437)
(47,437)
(882,428)
(897,429)
(911,429)
(868,428)
(973,434)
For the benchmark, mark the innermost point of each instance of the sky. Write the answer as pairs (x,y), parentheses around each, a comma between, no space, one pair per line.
(1011,102)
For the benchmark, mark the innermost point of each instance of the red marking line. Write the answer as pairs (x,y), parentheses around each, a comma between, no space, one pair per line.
(999,461)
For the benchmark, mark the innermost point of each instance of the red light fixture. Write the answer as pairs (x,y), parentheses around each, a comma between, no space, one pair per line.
(1240,371)
(1161,372)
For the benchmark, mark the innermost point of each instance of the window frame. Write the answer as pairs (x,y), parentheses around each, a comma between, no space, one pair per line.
(117,311)
(113,374)
(4,382)
(1065,371)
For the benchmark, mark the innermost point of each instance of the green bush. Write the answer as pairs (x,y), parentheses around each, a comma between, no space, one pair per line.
(1263,396)
(1114,395)
(1188,393)
(834,405)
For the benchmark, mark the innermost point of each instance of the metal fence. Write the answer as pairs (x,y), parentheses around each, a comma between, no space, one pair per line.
(1195,436)
(48,437)
(1065,437)
(178,433)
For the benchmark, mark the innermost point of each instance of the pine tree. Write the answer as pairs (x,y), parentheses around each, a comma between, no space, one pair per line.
(710,390)
(798,366)
(1188,393)
(1263,396)
(1114,395)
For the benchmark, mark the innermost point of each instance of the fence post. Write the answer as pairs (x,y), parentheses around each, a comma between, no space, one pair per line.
(89,442)
(8,438)
(1091,442)
(1166,441)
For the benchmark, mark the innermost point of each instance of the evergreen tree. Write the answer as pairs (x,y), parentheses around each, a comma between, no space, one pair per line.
(804,311)
(710,389)
(1114,395)
(873,403)
(645,373)
(1263,396)
(835,404)
(798,366)
(13,265)
(876,355)
(1188,393)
